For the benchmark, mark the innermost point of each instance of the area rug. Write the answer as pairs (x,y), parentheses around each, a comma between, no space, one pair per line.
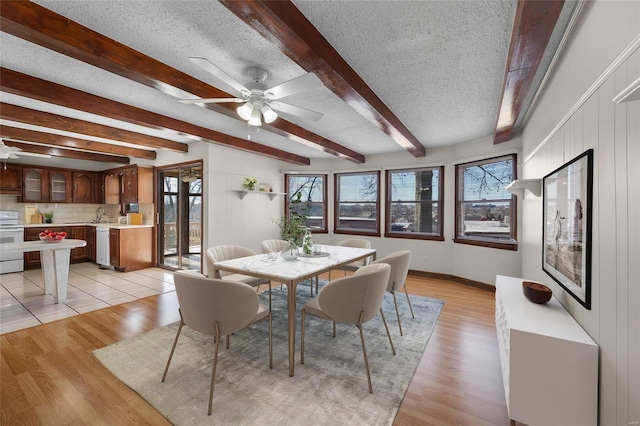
(330,388)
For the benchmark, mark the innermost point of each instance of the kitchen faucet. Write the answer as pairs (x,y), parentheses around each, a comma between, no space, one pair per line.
(99,213)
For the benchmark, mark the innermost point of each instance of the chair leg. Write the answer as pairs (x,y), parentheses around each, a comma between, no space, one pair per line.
(364,352)
(334,329)
(270,341)
(228,339)
(384,321)
(173,348)
(317,281)
(409,301)
(215,363)
(395,302)
(303,313)
(269,296)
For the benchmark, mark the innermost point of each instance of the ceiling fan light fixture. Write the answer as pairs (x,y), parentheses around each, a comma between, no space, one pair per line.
(254,120)
(268,114)
(245,110)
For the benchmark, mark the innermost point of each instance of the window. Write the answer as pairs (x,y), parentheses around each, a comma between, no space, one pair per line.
(485,211)
(415,203)
(313,196)
(357,203)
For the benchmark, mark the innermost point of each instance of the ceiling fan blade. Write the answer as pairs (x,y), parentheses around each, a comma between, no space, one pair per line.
(304,82)
(307,114)
(211,100)
(226,78)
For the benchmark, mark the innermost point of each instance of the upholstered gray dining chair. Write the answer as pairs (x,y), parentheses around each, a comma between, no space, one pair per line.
(355,243)
(217,308)
(227,252)
(354,300)
(399,262)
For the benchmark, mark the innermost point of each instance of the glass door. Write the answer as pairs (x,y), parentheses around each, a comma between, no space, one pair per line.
(180,217)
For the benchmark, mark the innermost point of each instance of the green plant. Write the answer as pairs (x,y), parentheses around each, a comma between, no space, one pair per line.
(292,228)
(48,215)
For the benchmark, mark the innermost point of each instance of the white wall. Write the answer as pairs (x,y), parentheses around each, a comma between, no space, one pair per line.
(446,257)
(576,113)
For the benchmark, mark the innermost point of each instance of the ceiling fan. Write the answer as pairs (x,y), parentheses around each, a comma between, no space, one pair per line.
(259,102)
(8,151)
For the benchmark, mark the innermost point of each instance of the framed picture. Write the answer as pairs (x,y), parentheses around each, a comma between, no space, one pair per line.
(566,249)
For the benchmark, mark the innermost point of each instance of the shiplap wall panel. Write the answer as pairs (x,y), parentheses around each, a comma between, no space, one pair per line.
(633,208)
(613,131)
(605,185)
(622,240)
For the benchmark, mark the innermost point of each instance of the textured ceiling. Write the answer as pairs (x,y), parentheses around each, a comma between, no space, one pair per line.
(437,65)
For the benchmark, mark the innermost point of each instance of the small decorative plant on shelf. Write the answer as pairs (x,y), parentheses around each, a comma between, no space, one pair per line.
(293,228)
(250,183)
(48,217)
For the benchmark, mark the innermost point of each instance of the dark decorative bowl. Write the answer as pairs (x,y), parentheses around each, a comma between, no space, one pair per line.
(536,292)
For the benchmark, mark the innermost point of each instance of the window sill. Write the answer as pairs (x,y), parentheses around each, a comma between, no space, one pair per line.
(356,232)
(413,236)
(512,246)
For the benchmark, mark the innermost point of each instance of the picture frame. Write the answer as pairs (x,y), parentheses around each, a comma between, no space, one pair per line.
(567,197)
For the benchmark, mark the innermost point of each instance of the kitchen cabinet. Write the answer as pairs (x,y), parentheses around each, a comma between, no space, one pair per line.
(130,248)
(85,187)
(59,186)
(135,185)
(91,242)
(35,186)
(11,179)
(80,254)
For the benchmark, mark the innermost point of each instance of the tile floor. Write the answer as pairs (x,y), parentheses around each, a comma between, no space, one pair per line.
(23,302)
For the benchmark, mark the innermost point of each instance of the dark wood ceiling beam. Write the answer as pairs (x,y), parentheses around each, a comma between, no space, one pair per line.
(532,28)
(46,28)
(71,142)
(68,124)
(284,25)
(35,88)
(67,153)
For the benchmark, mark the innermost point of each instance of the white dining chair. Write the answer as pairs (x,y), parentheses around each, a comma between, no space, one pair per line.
(399,262)
(217,308)
(354,300)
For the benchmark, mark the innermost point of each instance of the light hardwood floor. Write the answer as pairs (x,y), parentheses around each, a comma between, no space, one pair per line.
(49,376)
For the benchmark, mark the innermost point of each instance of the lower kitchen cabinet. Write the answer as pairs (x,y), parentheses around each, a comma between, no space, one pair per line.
(130,248)
(80,254)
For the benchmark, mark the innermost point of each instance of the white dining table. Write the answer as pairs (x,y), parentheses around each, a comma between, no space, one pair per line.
(54,259)
(275,268)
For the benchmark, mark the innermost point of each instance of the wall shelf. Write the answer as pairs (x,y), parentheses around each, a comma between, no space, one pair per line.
(243,193)
(517,187)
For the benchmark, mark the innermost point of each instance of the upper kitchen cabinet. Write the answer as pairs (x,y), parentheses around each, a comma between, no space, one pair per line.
(134,185)
(11,179)
(35,188)
(59,186)
(85,187)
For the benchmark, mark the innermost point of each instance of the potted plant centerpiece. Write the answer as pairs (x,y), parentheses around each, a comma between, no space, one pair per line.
(292,228)
(48,217)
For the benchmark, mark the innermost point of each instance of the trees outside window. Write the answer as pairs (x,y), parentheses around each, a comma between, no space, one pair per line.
(485,210)
(415,203)
(357,203)
(312,190)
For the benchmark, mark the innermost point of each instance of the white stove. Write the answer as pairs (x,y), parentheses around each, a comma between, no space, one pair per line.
(10,232)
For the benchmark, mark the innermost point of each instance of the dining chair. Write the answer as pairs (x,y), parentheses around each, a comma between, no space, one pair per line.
(399,262)
(353,300)
(355,243)
(217,308)
(227,252)
(273,246)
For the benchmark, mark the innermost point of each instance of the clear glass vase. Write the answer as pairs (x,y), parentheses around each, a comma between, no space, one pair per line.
(307,243)
(290,251)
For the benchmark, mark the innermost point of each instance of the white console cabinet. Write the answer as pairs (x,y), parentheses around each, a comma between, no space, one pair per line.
(549,363)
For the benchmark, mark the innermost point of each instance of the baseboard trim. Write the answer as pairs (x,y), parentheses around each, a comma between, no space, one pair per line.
(465,281)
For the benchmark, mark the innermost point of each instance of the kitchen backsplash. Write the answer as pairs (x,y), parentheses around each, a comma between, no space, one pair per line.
(72,213)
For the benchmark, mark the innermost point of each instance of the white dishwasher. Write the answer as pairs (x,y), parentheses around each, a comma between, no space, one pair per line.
(102,246)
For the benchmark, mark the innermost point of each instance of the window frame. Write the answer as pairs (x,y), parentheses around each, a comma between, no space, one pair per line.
(325,209)
(336,205)
(512,244)
(439,236)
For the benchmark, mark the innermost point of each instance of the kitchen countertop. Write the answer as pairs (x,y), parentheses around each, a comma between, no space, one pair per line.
(102,225)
